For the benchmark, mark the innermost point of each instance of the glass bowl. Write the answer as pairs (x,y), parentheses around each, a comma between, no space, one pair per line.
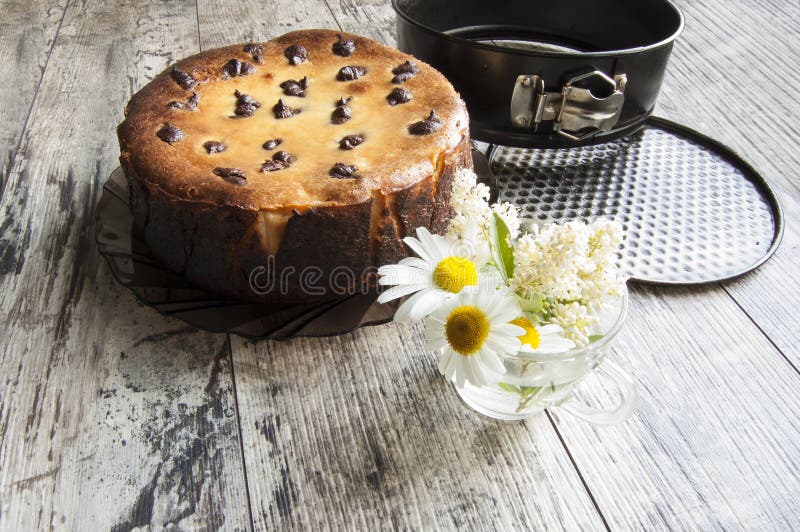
(536,381)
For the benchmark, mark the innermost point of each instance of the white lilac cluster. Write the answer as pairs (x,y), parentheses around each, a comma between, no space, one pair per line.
(571,267)
(470,201)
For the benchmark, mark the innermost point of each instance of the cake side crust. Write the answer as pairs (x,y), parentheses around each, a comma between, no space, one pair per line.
(324,252)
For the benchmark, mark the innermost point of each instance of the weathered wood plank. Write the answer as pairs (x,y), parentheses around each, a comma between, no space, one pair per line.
(225,23)
(713,444)
(374,18)
(112,416)
(27,32)
(359,431)
(730,78)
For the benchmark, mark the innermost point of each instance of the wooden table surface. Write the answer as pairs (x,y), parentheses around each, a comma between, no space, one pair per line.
(112,416)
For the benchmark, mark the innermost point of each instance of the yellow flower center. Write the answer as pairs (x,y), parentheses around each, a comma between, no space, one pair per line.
(466,329)
(454,273)
(531,336)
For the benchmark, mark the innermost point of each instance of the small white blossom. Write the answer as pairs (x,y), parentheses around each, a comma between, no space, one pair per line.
(510,215)
(575,320)
(552,261)
(470,201)
(604,278)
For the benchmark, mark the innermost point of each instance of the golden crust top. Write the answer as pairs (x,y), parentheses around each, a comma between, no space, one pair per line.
(174,140)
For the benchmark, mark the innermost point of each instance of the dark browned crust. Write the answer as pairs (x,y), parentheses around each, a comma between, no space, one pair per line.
(213,232)
(217,249)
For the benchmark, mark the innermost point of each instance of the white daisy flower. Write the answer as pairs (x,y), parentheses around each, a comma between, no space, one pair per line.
(469,331)
(544,339)
(441,270)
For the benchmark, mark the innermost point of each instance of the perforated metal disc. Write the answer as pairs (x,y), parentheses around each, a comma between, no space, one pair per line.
(694,212)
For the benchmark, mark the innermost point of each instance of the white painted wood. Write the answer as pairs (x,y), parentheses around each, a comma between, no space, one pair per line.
(27,30)
(714,442)
(360,432)
(112,416)
(115,417)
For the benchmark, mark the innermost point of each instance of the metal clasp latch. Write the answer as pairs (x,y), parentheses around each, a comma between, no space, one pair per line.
(575,112)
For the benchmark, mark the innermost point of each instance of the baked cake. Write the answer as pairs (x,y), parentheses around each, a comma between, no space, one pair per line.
(314,152)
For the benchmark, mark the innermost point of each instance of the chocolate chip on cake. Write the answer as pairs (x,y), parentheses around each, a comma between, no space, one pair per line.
(342,113)
(255,50)
(231,175)
(234,68)
(427,126)
(245,105)
(342,171)
(170,134)
(343,48)
(295,88)
(350,141)
(271,144)
(188,105)
(279,161)
(281,110)
(350,73)
(283,157)
(271,166)
(399,95)
(404,72)
(184,80)
(213,146)
(296,54)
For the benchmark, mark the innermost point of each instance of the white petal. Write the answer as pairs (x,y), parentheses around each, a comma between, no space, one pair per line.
(414,262)
(550,328)
(478,374)
(436,345)
(444,360)
(472,373)
(504,312)
(417,247)
(431,243)
(554,345)
(502,344)
(452,365)
(508,329)
(399,274)
(424,305)
(419,305)
(399,291)
(460,376)
(492,361)
(404,311)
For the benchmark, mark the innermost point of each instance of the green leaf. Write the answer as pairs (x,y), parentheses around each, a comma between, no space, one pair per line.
(500,246)
(531,304)
(510,388)
(527,391)
(594,337)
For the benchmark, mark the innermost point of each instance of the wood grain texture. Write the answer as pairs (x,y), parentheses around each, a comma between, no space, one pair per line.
(729,52)
(27,32)
(713,442)
(112,417)
(360,432)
